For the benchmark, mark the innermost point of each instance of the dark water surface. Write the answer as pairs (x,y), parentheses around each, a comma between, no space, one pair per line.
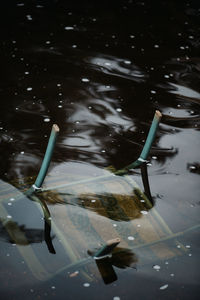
(99,69)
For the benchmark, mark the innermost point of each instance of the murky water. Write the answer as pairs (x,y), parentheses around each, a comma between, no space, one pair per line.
(100,70)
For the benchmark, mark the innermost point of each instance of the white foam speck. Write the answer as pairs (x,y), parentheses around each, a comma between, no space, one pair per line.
(156,267)
(69,28)
(127,62)
(29,88)
(118,109)
(86,284)
(29,18)
(192,167)
(93,200)
(116,298)
(114,225)
(9,217)
(131,238)
(153,92)
(85,80)
(46,120)
(144,212)
(163,287)
(187,246)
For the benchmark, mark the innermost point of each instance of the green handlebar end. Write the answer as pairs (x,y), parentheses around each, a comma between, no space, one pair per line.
(47,158)
(147,146)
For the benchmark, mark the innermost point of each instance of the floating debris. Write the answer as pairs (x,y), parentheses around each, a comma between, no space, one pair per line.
(163,287)
(69,28)
(46,120)
(85,80)
(127,62)
(154,157)
(156,267)
(131,238)
(74,274)
(86,284)
(29,17)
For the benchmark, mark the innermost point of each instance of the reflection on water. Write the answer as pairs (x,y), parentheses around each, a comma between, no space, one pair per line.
(19,234)
(99,70)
